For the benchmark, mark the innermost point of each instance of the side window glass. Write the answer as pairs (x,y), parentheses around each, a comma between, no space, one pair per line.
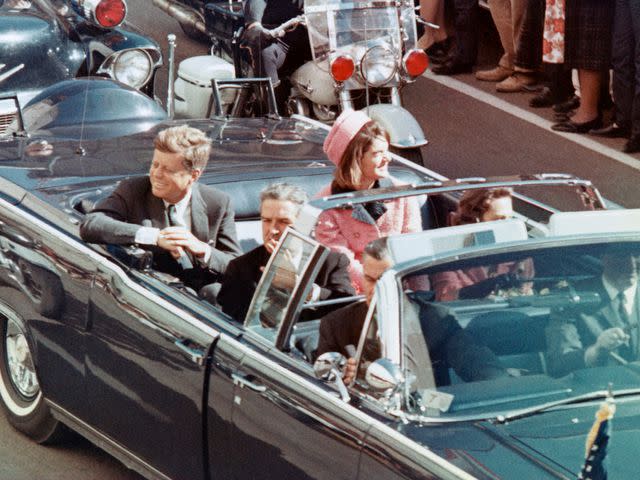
(281,285)
(369,346)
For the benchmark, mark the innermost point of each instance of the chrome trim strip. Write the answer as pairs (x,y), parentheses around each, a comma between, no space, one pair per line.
(79,246)
(105,443)
(443,469)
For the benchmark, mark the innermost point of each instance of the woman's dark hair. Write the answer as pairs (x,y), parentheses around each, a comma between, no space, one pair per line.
(475,203)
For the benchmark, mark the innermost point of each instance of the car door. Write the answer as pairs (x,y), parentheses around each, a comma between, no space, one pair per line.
(45,279)
(147,354)
(284,423)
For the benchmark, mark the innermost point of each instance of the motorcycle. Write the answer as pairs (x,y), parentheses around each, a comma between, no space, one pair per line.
(363,54)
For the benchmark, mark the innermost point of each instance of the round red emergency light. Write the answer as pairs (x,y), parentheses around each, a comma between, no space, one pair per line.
(415,62)
(111,13)
(342,68)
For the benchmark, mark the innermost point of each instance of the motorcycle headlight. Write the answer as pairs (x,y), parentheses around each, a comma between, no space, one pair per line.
(132,67)
(378,65)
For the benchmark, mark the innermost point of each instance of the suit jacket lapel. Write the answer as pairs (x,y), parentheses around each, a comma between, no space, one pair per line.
(157,212)
(199,218)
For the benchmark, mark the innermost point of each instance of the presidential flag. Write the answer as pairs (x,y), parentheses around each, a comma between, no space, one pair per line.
(595,467)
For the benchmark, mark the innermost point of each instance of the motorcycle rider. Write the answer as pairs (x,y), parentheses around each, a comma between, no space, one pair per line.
(275,57)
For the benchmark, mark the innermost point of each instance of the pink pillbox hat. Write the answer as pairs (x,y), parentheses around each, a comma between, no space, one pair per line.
(344,129)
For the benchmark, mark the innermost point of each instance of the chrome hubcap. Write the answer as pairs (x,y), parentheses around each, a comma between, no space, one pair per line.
(20,363)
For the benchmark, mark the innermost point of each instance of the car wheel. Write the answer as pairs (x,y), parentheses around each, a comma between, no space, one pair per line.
(20,391)
(412,154)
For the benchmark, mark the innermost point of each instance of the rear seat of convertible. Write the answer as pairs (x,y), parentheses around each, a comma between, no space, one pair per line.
(245,198)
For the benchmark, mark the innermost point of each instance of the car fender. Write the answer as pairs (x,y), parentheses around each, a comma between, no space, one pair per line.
(403,128)
(90,108)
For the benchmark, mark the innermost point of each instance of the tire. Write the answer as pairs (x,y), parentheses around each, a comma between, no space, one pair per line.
(412,154)
(194,34)
(20,394)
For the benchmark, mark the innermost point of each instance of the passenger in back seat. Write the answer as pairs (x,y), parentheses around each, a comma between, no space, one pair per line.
(358,146)
(280,205)
(483,205)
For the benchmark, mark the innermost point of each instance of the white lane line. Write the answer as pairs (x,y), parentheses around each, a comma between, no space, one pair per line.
(532,118)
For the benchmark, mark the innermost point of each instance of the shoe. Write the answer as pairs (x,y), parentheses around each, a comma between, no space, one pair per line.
(570,126)
(496,74)
(564,107)
(546,98)
(439,51)
(543,99)
(516,82)
(451,67)
(633,145)
(611,131)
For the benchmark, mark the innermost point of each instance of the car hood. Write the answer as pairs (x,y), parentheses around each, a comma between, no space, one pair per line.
(549,444)
(41,46)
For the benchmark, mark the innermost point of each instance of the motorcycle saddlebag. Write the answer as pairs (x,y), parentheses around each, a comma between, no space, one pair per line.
(223,18)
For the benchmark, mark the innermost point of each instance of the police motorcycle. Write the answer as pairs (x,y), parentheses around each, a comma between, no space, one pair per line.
(363,54)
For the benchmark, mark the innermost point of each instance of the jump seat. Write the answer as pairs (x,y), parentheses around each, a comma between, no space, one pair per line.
(245,198)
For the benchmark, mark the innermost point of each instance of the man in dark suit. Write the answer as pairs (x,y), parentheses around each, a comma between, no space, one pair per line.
(448,345)
(609,333)
(280,205)
(189,227)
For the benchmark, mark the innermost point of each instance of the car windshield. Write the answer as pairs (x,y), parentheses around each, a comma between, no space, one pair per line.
(489,335)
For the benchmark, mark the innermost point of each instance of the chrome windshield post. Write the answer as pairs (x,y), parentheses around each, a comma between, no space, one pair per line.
(171,38)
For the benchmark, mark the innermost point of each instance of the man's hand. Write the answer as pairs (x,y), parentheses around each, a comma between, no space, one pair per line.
(612,338)
(258,36)
(178,239)
(349,372)
(607,341)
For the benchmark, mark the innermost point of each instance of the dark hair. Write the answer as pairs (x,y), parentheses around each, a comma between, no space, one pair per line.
(475,203)
(348,174)
(377,249)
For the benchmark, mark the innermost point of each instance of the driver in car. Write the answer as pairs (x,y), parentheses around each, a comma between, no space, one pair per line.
(448,344)
(608,335)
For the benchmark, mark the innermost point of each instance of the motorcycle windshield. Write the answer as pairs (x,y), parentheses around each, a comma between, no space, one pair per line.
(356,28)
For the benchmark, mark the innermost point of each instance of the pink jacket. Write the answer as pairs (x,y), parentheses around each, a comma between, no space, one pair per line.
(339,230)
(448,284)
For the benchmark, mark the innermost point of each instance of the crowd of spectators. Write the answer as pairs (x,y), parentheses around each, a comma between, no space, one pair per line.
(543,43)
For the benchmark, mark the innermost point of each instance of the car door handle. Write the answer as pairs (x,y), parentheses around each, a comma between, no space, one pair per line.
(195,353)
(243,381)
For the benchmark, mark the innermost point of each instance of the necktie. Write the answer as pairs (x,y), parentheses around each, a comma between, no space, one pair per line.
(628,327)
(186,259)
(174,220)
(622,309)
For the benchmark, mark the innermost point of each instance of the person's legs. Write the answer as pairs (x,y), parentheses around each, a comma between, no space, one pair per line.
(633,145)
(433,11)
(503,19)
(635,108)
(587,115)
(590,81)
(465,50)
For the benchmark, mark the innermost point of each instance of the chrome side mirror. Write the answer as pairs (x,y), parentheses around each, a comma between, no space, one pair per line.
(383,375)
(328,367)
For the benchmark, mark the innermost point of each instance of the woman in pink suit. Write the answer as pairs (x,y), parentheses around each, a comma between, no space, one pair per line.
(482,205)
(359,148)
